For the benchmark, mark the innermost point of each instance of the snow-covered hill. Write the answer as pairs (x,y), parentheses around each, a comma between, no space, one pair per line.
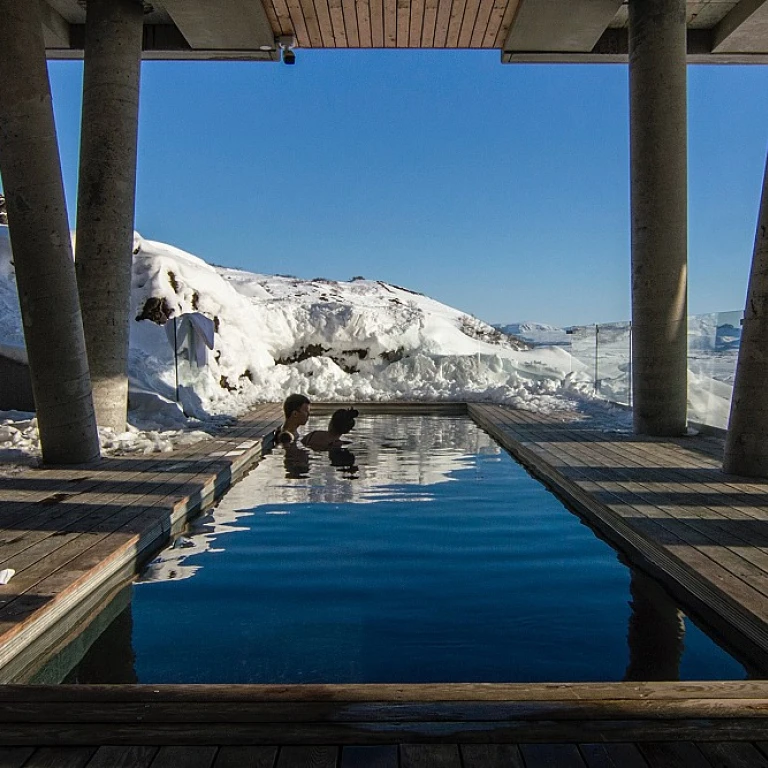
(362,340)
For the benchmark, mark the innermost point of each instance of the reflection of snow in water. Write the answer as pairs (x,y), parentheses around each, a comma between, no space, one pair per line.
(387,459)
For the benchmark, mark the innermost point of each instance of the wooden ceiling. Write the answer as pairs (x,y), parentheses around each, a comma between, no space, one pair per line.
(727,31)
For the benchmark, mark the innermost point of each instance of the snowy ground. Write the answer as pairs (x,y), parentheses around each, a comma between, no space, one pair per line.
(362,340)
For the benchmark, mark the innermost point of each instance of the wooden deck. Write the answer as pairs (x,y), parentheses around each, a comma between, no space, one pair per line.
(76,535)
(659,755)
(667,505)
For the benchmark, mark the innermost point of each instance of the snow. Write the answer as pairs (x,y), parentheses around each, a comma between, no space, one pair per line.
(356,341)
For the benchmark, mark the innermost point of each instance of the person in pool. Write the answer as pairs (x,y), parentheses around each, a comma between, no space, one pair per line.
(342,422)
(296,411)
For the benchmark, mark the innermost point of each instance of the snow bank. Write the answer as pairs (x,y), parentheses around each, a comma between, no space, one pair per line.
(362,340)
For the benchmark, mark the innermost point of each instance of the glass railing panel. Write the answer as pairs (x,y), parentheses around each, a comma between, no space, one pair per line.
(713,348)
(583,350)
(613,362)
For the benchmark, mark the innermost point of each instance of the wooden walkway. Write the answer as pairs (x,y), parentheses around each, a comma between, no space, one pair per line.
(76,535)
(73,535)
(696,725)
(667,505)
(652,755)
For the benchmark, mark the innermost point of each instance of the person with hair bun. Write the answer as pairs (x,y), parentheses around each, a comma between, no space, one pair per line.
(342,422)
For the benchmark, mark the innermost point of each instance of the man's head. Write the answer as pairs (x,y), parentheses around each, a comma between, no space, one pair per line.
(297,408)
(343,421)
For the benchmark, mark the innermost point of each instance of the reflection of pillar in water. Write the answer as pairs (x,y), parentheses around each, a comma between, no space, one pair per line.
(655,633)
(111,658)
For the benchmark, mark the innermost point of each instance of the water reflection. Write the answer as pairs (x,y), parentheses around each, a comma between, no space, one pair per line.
(344,460)
(477,573)
(111,658)
(413,452)
(656,632)
(295,461)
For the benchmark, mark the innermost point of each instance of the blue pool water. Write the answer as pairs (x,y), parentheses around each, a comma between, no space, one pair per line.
(422,553)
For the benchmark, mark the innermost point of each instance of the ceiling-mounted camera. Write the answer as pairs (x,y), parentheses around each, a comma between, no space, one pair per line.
(287,43)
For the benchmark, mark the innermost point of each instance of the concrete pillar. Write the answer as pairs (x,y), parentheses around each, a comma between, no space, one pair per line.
(657,90)
(746,445)
(42,250)
(106,196)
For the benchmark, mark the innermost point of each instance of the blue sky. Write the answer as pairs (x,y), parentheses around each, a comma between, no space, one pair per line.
(502,190)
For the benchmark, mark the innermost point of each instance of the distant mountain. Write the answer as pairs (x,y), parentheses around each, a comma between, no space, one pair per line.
(535,333)
(527,329)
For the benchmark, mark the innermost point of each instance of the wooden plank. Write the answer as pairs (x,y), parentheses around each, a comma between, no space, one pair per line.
(481,23)
(323,15)
(382,732)
(403,23)
(442,22)
(709,527)
(429,756)
(307,757)
(733,754)
(113,479)
(363,8)
(491,756)
(454,23)
(350,23)
(60,757)
(310,14)
(468,23)
(673,754)
(612,756)
(298,24)
(246,757)
(499,22)
(551,756)
(123,757)
(679,499)
(342,712)
(416,23)
(14,757)
(428,23)
(390,23)
(136,518)
(369,757)
(184,757)
(337,20)
(269,8)
(377,24)
(718,692)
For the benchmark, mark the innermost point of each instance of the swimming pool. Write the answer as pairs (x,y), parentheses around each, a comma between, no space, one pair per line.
(421,552)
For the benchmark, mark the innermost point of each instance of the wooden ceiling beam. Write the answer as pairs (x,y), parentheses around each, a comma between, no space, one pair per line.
(744,29)
(563,26)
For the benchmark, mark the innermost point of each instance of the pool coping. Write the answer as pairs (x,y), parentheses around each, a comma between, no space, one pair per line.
(383,714)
